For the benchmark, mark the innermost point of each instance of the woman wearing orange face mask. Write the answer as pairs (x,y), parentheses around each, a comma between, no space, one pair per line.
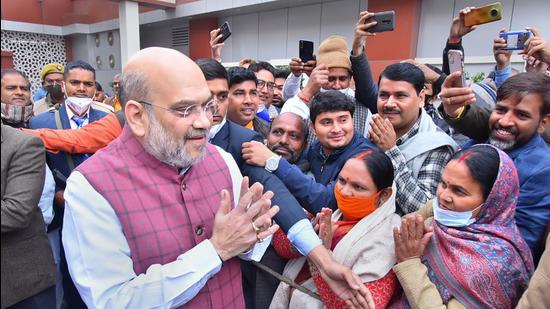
(359,233)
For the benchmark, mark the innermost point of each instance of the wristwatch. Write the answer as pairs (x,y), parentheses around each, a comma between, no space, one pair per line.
(272,164)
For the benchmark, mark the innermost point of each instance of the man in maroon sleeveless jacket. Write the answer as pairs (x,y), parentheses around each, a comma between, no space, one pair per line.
(145,223)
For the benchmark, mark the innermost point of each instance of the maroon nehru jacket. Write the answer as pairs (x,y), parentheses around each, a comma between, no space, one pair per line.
(164,214)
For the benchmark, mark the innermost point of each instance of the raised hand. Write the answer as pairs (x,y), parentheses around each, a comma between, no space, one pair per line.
(317,79)
(361,32)
(236,230)
(215,45)
(537,47)
(458,28)
(411,239)
(297,67)
(455,98)
(502,56)
(382,133)
(326,227)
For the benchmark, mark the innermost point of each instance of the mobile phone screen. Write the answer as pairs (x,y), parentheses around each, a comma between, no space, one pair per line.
(306,50)
(225,31)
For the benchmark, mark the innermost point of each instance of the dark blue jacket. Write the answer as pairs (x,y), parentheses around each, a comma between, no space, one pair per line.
(59,161)
(314,194)
(532,162)
(230,138)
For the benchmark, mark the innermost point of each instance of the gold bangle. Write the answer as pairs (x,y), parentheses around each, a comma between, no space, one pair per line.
(460,113)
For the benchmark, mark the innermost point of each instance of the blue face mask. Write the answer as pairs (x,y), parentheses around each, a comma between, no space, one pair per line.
(453,218)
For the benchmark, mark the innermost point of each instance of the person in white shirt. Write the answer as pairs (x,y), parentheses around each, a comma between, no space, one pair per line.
(146,214)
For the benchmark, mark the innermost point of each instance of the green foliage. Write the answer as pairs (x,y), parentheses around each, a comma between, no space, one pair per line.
(476,78)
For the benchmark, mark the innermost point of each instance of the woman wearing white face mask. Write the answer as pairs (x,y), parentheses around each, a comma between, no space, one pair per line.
(472,255)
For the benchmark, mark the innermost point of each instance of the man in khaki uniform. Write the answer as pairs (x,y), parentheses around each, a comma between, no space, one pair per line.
(52,77)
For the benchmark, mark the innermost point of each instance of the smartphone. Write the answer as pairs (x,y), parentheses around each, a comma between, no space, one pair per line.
(515,40)
(456,63)
(385,21)
(225,31)
(484,14)
(306,50)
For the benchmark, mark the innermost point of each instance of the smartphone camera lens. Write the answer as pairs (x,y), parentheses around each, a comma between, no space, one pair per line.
(494,12)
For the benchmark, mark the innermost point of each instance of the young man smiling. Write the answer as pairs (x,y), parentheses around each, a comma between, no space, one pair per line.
(244,100)
(331,115)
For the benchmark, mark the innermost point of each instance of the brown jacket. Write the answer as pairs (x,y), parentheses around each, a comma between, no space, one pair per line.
(27,260)
(536,295)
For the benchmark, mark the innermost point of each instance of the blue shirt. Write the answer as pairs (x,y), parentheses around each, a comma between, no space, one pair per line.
(532,162)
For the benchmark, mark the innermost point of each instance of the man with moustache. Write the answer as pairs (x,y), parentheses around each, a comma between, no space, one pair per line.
(334,70)
(75,112)
(166,242)
(418,148)
(244,101)
(331,114)
(164,148)
(52,78)
(280,78)
(17,107)
(520,116)
(288,139)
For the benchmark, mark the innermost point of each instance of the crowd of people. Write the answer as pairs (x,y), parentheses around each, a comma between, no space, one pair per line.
(200,186)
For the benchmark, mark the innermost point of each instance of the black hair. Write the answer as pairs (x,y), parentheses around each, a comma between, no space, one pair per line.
(281,73)
(262,65)
(522,84)
(212,69)
(406,72)
(379,166)
(434,68)
(98,86)
(5,72)
(483,162)
(78,64)
(303,125)
(238,75)
(330,101)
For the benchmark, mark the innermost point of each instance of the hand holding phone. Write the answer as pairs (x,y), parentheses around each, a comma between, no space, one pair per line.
(515,40)
(225,31)
(306,50)
(385,21)
(484,14)
(456,64)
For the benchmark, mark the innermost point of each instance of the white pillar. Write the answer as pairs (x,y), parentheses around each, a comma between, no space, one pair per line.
(128,19)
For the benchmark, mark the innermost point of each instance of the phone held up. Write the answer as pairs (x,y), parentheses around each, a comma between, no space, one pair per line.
(515,40)
(484,14)
(225,31)
(456,64)
(385,21)
(306,50)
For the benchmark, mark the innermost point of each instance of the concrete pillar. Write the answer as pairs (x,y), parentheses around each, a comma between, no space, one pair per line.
(128,19)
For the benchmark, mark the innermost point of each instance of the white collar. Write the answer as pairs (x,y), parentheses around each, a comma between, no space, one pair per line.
(70,112)
(216,128)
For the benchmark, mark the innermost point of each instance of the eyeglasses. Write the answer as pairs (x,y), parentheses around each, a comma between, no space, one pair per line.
(262,83)
(332,79)
(192,111)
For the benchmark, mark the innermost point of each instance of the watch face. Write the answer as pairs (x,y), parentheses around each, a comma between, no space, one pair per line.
(272,163)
